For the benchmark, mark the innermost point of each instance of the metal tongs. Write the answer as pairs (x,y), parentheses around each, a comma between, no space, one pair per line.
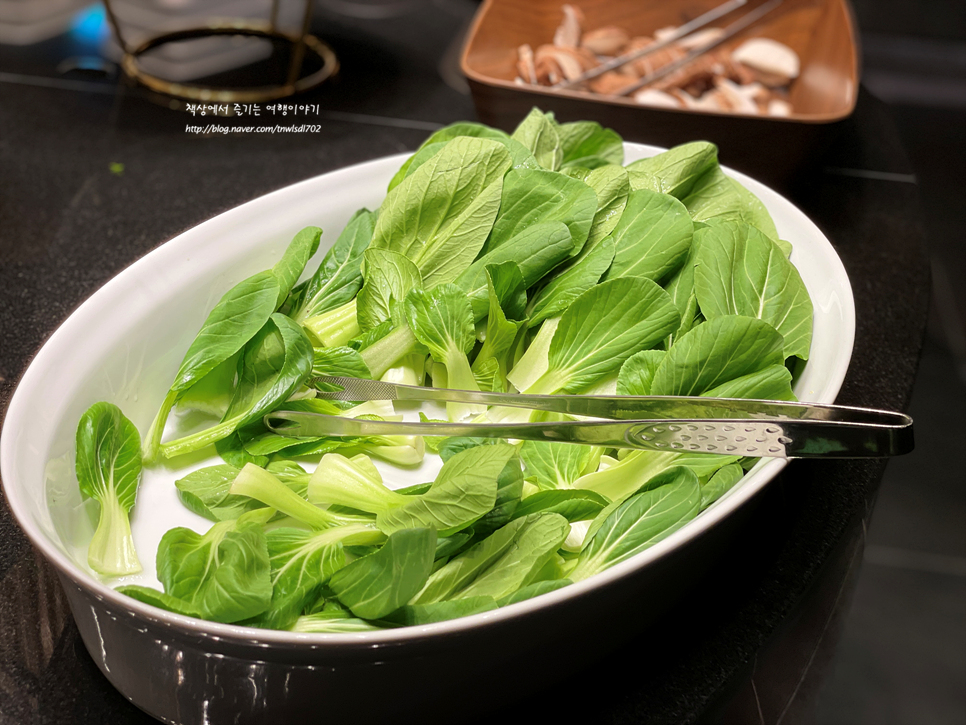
(685,30)
(736,427)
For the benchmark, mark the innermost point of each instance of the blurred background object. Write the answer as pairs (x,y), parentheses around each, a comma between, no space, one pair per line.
(189,60)
(902,654)
(24,22)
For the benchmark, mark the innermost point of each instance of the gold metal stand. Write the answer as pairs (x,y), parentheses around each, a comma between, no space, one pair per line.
(251,28)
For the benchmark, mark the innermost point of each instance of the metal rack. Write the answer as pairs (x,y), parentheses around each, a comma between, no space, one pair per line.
(294,81)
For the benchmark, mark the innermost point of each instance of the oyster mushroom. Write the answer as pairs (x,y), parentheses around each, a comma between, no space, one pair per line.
(569,63)
(775,63)
(736,99)
(525,66)
(568,34)
(779,107)
(604,41)
(610,83)
(654,97)
(701,37)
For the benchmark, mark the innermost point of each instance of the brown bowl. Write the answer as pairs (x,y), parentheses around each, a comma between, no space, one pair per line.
(820,31)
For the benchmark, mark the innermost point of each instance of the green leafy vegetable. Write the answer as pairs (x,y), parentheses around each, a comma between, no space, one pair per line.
(500,332)
(557,465)
(464,490)
(378,584)
(532,196)
(223,574)
(442,320)
(275,364)
(337,279)
(612,187)
(259,484)
(652,237)
(718,352)
(353,482)
(535,251)
(586,144)
(439,217)
(495,263)
(679,169)
(522,158)
(535,544)
(108,468)
(538,133)
(601,329)
(718,196)
(740,271)
(290,267)
(338,361)
(236,319)
(570,283)
(389,278)
(639,522)
(302,561)
(720,483)
(573,504)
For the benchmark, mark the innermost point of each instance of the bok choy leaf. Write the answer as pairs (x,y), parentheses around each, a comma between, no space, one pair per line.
(108,468)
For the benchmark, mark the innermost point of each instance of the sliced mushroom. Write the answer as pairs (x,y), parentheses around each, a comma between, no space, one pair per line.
(568,34)
(734,97)
(658,59)
(605,41)
(779,107)
(665,33)
(525,66)
(701,37)
(610,83)
(757,93)
(775,63)
(654,97)
(713,100)
(570,62)
(701,73)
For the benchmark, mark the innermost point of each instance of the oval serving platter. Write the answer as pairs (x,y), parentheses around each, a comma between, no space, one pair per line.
(124,344)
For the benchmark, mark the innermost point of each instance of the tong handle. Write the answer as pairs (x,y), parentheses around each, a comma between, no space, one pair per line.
(757,437)
(777,438)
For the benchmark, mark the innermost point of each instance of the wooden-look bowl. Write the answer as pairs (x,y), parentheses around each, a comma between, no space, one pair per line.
(820,31)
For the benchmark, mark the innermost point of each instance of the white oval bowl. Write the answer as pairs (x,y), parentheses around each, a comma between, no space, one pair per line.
(124,345)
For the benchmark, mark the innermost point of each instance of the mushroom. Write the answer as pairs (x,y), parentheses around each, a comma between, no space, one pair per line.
(525,65)
(654,97)
(568,63)
(701,37)
(779,107)
(610,83)
(734,97)
(710,101)
(658,59)
(604,41)
(699,73)
(774,63)
(568,34)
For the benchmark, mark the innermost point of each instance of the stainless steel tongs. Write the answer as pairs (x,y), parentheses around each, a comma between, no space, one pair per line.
(737,427)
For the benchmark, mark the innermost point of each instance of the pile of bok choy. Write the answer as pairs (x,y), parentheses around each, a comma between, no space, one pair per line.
(533,262)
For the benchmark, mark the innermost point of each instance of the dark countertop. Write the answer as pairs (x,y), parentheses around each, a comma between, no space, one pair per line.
(746,645)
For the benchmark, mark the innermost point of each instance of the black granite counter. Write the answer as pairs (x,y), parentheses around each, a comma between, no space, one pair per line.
(746,645)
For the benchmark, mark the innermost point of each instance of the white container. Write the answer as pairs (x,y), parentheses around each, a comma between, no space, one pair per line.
(124,345)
